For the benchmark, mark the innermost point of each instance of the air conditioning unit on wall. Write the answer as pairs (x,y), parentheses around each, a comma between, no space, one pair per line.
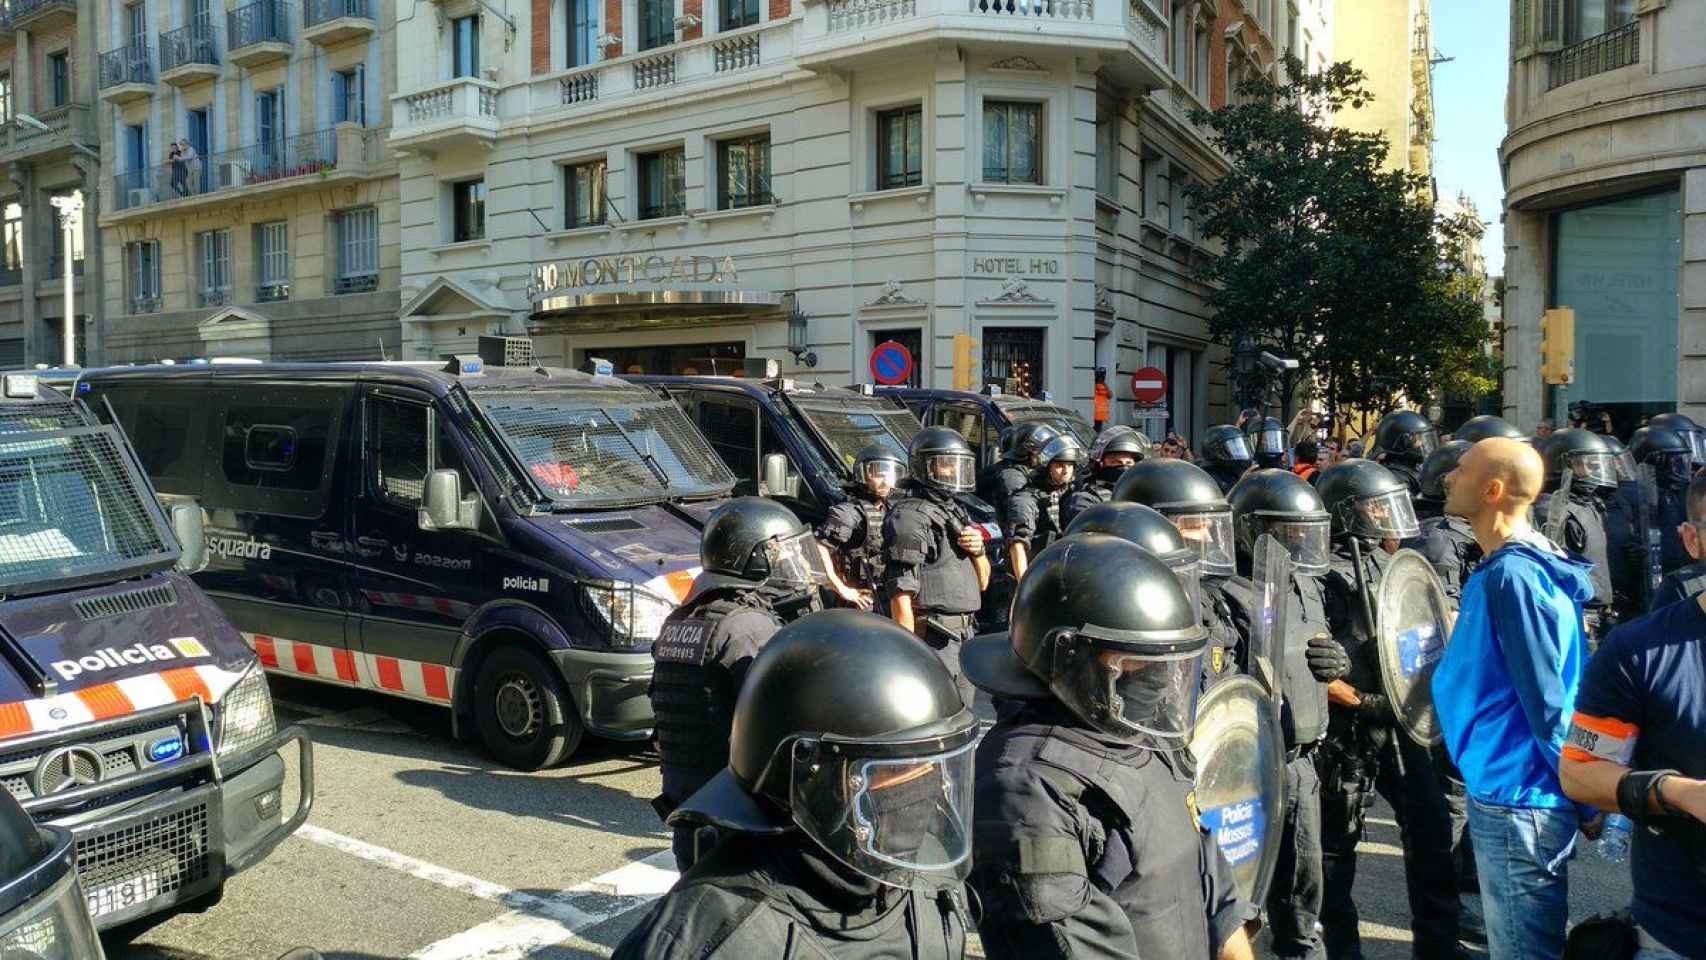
(139,197)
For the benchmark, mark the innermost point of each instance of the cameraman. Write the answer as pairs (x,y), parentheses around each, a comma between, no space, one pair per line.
(1637,745)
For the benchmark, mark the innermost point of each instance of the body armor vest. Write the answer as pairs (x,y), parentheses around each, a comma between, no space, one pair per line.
(694,702)
(867,558)
(1584,528)
(1303,706)
(1356,633)
(947,581)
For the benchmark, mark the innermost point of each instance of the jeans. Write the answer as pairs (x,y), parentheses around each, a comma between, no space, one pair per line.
(1522,855)
(1294,899)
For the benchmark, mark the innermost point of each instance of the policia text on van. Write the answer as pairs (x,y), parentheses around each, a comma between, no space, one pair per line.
(131,712)
(503,541)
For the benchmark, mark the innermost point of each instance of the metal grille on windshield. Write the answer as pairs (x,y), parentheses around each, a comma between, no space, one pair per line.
(849,429)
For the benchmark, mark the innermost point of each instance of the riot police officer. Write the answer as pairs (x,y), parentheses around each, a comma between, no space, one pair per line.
(1364,751)
(1035,517)
(1283,505)
(1002,481)
(1476,429)
(851,533)
(1664,456)
(1224,453)
(1086,837)
(1625,538)
(1267,441)
(761,569)
(845,808)
(1692,434)
(1114,451)
(1580,471)
(1402,440)
(934,568)
(1445,540)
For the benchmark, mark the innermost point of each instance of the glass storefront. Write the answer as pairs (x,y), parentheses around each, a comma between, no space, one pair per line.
(1617,265)
(688,360)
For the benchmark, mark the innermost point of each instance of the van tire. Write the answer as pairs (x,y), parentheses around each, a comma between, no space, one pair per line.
(525,718)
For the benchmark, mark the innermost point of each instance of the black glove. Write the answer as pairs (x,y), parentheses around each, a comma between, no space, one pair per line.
(1374,706)
(1327,659)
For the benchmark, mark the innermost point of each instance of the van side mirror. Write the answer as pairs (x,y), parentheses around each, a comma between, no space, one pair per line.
(187,527)
(442,505)
(778,480)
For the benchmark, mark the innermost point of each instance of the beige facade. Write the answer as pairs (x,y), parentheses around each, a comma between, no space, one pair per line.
(276,237)
(1605,204)
(1392,42)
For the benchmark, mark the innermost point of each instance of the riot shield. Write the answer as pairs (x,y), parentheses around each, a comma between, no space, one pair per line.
(1652,538)
(1270,582)
(1240,780)
(1558,507)
(1411,631)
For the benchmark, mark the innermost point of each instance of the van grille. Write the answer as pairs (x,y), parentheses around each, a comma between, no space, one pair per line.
(112,605)
(606,524)
(173,847)
(122,752)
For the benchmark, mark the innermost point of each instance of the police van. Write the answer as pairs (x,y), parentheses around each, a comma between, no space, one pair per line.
(503,541)
(133,717)
(980,417)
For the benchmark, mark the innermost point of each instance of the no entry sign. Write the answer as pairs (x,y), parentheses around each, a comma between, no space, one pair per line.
(1149,385)
(891,363)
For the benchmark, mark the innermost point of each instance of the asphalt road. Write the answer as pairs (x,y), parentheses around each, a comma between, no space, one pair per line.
(419,847)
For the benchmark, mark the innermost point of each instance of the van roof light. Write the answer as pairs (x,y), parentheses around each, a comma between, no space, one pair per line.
(465,365)
(991,390)
(598,367)
(20,386)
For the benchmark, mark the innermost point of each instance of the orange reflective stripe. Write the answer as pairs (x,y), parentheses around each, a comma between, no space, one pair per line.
(106,700)
(14,719)
(1592,739)
(185,683)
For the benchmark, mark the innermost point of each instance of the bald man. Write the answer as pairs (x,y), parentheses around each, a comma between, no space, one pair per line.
(1505,690)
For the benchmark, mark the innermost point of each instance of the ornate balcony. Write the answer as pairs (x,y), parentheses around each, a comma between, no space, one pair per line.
(462,112)
(41,16)
(126,74)
(310,160)
(189,55)
(763,49)
(258,33)
(71,124)
(331,22)
(1614,48)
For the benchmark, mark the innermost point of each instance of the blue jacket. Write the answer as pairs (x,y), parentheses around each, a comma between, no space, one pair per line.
(1506,686)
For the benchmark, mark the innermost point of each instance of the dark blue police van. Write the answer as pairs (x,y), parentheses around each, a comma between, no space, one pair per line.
(980,417)
(502,541)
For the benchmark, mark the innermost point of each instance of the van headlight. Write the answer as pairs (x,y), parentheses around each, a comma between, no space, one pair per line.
(243,718)
(632,615)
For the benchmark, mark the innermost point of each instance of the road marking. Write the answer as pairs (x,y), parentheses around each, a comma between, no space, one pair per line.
(533,921)
(1386,849)
(1384,822)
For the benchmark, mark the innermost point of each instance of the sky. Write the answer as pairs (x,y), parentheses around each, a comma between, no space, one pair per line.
(1469,109)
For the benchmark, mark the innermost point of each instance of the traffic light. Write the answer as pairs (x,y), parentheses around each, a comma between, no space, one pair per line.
(965,366)
(1558,346)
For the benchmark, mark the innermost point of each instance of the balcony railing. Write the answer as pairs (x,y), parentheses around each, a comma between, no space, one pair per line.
(464,110)
(24,9)
(126,65)
(1608,51)
(267,21)
(65,124)
(306,155)
(319,11)
(56,266)
(186,45)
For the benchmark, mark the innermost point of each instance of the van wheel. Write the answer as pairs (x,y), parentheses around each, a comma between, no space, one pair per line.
(525,717)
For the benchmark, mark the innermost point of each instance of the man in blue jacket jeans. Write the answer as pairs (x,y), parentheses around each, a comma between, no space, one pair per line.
(1505,691)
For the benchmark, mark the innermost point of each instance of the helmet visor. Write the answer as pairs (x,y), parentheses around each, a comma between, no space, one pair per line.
(1309,542)
(1234,448)
(1388,516)
(900,820)
(1189,574)
(795,561)
(1696,444)
(953,472)
(1625,464)
(887,473)
(1599,469)
(1425,442)
(1270,441)
(1210,534)
(1062,449)
(1137,696)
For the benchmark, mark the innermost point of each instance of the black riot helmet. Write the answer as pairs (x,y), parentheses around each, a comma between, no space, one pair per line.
(1266,438)
(877,467)
(1014,440)
(1064,448)
(942,460)
(1691,433)
(1286,506)
(1592,465)
(1476,429)
(1405,436)
(1441,462)
(43,915)
(1029,440)
(1366,500)
(852,732)
(1146,527)
(1185,494)
(761,541)
(1224,446)
(1102,626)
(1624,459)
(1666,451)
(1117,442)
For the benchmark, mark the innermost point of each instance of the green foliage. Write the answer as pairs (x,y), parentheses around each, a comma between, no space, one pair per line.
(1327,257)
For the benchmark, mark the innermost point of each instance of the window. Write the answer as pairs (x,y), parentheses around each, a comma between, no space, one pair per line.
(663,184)
(743,172)
(465,46)
(1012,144)
(358,250)
(583,33)
(1107,150)
(1200,62)
(272,261)
(739,13)
(406,441)
(657,23)
(168,427)
(277,447)
(59,78)
(583,194)
(731,426)
(5,95)
(142,275)
(900,148)
(349,95)
(269,130)
(136,20)
(213,253)
(468,211)
(1013,357)
(1179,52)
(200,131)
(1585,19)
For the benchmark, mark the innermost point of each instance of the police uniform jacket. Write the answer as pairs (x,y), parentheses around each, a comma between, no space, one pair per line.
(1303,704)
(1036,516)
(1091,492)
(921,537)
(853,529)
(998,485)
(1348,622)
(1086,847)
(1584,534)
(1449,544)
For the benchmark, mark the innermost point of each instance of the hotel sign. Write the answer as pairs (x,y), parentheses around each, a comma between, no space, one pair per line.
(630,270)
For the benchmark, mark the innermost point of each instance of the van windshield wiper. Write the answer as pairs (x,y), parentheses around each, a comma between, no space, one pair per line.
(644,455)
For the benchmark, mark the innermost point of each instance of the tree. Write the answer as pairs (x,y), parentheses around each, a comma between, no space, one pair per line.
(1323,255)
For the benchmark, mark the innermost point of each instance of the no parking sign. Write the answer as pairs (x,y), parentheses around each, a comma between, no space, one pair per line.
(891,363)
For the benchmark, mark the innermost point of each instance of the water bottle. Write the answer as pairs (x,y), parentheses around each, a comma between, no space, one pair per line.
(1614,839)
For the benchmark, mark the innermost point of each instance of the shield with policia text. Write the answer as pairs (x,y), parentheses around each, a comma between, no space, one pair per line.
(1411,632)
(1237,741)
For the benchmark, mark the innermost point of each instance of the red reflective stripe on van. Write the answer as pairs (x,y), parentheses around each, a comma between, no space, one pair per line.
(436,680)
(390,675)
(264,650)
(106,700)
(186,683)
(304,656)
(14,719)
(345,664)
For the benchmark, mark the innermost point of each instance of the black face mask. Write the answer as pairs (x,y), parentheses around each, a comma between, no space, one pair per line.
(895,806)
(1671,470)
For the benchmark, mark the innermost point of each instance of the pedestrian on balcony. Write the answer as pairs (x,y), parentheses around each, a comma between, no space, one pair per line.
(193,167)
(180,169)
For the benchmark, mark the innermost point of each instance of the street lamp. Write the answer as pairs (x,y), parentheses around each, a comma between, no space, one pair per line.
(798,342)
(70,220)
(30,121)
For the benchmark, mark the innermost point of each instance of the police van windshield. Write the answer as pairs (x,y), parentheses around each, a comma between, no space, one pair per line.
(1060,418)
(849,425)
(72,510)
(601,447)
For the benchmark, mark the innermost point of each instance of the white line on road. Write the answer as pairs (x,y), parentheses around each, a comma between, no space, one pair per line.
(533,920)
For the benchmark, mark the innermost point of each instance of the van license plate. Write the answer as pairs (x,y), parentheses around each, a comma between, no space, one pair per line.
(126,893)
